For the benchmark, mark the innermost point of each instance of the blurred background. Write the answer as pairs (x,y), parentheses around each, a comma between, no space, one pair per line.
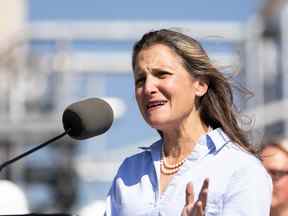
(56,52)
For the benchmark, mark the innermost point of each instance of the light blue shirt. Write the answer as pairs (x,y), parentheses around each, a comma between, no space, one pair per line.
(238,183)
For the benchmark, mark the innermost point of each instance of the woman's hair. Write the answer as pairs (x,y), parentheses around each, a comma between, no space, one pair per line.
(216,107)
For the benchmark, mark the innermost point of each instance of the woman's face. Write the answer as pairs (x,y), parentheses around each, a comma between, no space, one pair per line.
(165,91)
(276,163)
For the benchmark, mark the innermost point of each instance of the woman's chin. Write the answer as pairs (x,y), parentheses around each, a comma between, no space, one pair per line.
(158,124)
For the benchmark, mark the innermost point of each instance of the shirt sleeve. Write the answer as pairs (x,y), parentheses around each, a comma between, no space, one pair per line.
(248,193)
(111,200)
(109,205)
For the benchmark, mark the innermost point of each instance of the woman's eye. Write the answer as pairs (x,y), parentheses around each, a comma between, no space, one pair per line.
(163,74)
(139,81)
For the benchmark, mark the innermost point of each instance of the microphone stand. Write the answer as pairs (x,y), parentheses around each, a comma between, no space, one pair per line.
(2,166)
(5,164)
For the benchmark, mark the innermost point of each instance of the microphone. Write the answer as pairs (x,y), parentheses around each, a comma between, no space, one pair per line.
(81,120)
(87,118)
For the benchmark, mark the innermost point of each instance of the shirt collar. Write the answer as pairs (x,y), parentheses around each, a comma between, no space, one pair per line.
(209,143)
(216,139)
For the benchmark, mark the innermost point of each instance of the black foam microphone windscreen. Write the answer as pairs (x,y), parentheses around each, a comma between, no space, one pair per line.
(87,118)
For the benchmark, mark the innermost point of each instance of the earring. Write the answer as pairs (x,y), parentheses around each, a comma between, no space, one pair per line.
(200,94)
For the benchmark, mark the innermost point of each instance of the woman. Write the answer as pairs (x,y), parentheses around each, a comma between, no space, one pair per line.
(274,157)
(189,102)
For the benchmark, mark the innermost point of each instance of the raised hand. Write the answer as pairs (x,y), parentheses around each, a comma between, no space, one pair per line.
(196,208)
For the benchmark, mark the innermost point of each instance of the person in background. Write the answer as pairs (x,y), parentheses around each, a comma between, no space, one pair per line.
(275,159)
(203,163)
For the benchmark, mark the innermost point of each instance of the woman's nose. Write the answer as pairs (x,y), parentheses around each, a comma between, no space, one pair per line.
(150,86)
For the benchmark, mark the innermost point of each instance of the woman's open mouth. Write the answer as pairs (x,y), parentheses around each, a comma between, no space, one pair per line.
(155,104)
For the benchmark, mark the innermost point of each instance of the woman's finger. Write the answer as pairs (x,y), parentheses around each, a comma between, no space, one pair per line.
(199,211)
(203,198)
(189,194)
(205,184)
(204,193)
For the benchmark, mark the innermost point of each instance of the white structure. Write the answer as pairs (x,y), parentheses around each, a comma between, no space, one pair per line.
(13,199)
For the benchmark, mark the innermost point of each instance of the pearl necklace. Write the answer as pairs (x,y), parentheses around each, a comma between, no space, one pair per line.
(168,169)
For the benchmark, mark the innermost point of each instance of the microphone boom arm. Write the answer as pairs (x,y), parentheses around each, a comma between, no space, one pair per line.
(2,166)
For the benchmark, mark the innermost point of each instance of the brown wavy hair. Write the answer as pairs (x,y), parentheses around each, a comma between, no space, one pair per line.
(216,107)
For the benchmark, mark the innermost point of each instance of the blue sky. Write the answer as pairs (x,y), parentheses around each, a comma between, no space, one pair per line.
(236,10)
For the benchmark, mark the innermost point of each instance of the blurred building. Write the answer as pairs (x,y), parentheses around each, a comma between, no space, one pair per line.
(46,65)
(266,66)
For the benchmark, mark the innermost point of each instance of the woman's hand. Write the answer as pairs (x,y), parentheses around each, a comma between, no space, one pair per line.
(197,208)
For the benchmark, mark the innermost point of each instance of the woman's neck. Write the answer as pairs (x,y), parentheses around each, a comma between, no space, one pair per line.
(280,211)
(181,141)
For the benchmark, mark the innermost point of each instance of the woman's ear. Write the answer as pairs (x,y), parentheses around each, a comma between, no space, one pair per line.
(200,87)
